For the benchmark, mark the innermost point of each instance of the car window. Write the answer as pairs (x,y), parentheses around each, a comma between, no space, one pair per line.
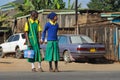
(86,39)
(23,36)
(81,39)
(10,38)
(62,40)
(16,38)
(75,39)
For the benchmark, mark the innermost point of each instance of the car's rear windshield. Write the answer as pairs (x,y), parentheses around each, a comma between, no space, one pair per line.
(81,39)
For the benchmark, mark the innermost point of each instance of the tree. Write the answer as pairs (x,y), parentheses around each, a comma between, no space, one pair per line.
(23,9)
(48,4)
(72,6)
(106,5)
(40,4)
(29,5)
(58,4)
(4,20)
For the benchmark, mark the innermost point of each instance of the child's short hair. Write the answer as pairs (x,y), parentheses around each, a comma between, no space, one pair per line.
(33,12)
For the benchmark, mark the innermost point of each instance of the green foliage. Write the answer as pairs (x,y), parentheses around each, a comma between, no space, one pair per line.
(22,9)
(106,5)
(38,4)
(28,5)
(4,20)
(58,4)
(48,4)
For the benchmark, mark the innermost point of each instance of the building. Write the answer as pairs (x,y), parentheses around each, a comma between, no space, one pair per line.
(66,18)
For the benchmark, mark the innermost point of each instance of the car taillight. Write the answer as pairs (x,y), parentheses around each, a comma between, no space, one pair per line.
(101,49)
(82,49)
(25,43)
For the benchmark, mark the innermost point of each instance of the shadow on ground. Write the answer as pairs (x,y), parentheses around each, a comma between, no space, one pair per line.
(6,62)
(93,61)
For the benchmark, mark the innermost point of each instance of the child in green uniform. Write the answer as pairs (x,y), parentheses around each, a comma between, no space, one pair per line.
(52,49)
(33,35)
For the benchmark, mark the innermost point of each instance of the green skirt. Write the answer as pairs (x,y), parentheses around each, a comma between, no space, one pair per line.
(52,51)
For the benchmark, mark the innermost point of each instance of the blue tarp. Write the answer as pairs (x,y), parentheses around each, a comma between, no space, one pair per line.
(116,20)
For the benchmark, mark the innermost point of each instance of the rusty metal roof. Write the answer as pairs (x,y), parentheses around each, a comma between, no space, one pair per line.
(90,11)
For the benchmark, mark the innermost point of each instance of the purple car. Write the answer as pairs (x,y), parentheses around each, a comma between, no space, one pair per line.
(75,47)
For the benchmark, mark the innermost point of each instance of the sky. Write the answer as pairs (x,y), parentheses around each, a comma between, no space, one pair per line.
(2,2)
(84,2)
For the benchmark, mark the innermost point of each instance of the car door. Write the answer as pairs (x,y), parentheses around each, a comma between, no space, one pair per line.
(6,45)
(63,41)
(14,42)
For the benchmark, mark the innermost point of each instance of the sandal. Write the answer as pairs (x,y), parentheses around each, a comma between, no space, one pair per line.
(40,70)
(56,70)
(51,70)
(34,70)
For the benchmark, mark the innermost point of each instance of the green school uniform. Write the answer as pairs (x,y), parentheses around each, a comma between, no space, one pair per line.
(52,51)
(33,38)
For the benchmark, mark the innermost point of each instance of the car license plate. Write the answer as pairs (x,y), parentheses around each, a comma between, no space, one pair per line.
(92,50)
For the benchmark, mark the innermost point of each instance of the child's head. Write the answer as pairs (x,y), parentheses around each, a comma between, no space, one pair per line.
(34,14)
(52,16)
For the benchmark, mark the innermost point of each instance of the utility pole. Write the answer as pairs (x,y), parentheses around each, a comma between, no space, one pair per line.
(76,16)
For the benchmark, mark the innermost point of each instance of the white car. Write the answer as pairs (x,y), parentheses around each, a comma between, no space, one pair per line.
(14,44)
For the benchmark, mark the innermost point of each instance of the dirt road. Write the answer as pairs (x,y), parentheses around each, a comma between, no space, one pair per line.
(10,64)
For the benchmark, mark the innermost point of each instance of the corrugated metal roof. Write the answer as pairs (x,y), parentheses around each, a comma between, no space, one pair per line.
(8,6)
(47,11)
(110,14)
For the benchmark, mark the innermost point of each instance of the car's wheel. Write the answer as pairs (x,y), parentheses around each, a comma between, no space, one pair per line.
(1,53)
(18,53)
(66,57)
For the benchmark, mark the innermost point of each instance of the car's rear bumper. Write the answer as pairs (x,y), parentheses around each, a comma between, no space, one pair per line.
(87,55)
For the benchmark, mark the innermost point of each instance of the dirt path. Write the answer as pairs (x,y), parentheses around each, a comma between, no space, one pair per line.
(10,64)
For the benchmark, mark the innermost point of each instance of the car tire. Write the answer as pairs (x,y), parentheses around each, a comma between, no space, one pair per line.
(66,57)
(1,53)
(18,53)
